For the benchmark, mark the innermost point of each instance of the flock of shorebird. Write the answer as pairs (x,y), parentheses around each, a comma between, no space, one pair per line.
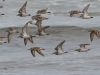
(37,20)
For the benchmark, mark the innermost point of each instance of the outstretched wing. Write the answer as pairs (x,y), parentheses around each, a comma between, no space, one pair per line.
(25,40)
(91,36)
(85,10)
(24,30)
(40,52)
(35,17)
(38,23)
(71,14)
(23,9)
(9,37)
(44,10)
(83,45)
(59,47)
(43,28)
(33,53)
(30,39)
(97,33)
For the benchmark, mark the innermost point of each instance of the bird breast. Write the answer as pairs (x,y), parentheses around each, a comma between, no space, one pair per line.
(83,49)
(1,42)
(34,21)
(26,36)
(43,33)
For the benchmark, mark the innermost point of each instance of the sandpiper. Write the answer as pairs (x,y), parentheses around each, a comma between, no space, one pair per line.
(35,17)
(10,33)
(82,48)
(94,32)
(1,39)
(37,49)
(25,35)
(85,13)
(72,12)
(22,11)
(42,33)
(43,11)
(38,17)
(39,20)
(59,49)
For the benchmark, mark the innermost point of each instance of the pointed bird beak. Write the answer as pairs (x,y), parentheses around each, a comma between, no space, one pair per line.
(46,18)
(47,34)
(75,50)
(52,53)
(29,14)
(33,36)
(17,32)
(66,52)
(42,49)
(91,17)
(49,12)
(2,14)
(29,49)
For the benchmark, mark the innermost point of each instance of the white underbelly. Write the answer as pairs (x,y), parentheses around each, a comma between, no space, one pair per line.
(43,33)
(1,42)
(87,17)
(34,21)
(26,36)
(83,50)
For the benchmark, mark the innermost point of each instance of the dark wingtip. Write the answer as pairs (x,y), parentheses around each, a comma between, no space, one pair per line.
(5,42)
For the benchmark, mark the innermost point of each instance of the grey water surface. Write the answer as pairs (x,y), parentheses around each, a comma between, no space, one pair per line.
(16,59)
